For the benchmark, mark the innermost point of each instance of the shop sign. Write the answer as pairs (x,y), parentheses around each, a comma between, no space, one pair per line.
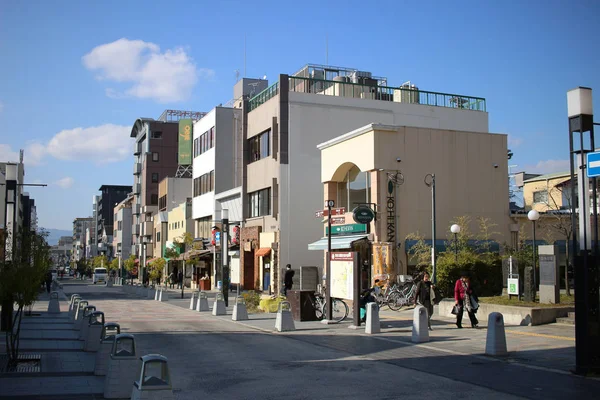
(513,286)
(348,229)
(363,214)
(391,212)
(338,220)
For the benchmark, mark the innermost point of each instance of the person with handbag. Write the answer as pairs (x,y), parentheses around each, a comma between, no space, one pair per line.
(464,299)
(424,296)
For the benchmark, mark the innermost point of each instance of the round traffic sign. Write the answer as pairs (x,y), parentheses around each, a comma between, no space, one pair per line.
(363,214)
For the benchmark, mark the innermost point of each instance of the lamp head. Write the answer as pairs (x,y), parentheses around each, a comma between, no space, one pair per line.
(455,228)
(533,215)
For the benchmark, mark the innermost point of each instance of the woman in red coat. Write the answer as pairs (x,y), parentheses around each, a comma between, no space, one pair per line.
(462,298)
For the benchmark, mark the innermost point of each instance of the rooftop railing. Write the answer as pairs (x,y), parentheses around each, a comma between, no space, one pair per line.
(371,92)
(264,96)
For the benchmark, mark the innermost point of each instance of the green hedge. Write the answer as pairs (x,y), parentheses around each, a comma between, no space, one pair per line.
(486,276)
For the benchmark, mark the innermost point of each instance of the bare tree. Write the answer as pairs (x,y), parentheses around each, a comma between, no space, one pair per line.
(559,219)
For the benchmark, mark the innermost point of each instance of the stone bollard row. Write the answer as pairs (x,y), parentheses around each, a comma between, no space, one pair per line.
(219,305)
(202,304)
(78,318)
(154,381)
(109,331)
(284,321)
(240,313)
(151,293)
(94,332)
(123,367)
(84,326)
(73,308)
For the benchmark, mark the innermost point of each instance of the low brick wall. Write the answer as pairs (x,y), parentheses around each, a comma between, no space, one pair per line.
(513,315)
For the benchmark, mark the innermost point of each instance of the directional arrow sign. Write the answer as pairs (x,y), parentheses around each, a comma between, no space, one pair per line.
(593,164)
(334,211)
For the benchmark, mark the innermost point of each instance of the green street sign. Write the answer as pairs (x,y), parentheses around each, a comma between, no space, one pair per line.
(363,214)
(349,229)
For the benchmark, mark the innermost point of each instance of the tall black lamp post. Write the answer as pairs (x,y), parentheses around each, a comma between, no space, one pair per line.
(430,181)
(225,255)
(587,303)
(533,216)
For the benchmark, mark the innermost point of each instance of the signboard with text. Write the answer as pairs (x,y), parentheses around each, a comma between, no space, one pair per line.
(349,229)
(342,275)
(513,286)
(334,211)
(184,154)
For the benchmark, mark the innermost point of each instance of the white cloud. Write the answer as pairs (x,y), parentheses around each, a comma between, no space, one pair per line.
(167,76)
(65,182)
(7,154)
(514,141)
(34,152)
(101,144)
(548,167)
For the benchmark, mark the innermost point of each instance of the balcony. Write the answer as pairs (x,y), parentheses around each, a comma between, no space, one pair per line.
(137,188)
(147,228)
(137,168)
(135,230)
(135,209)
(371,92)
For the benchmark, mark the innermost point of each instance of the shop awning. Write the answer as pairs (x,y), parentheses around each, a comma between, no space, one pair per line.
(193,254)
(263,251)
(337,242)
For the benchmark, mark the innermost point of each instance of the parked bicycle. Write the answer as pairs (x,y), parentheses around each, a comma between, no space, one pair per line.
(339,308)
(405,295)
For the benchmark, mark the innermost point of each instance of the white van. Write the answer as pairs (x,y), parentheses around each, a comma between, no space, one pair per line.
(100,275)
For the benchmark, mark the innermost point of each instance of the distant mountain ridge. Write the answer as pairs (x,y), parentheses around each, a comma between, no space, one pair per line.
(55,234)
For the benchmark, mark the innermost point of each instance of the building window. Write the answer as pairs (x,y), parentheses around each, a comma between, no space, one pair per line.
(154,199)
(203,227)
(259,146)
(157,135)
(354,189)
(204,184)
(259,203)
(540,196)
(155,157)
(157,237)
(155,177)
(162,202)
(204,142)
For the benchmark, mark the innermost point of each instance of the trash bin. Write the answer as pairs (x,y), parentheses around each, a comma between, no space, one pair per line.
(302,305)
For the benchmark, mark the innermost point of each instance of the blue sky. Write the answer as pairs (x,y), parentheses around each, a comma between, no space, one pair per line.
(77,74)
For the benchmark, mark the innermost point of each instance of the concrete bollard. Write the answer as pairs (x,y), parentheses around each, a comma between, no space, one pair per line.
(85,322)
(94,332)
(163,296)
(73,309)
(157,293)
(144,292)
(151,293)
(79,314)
(372,325)
(123,367)
(193,300)
(154,380)
(420,329)
(284,321)
(71,301)
(53,304)
(109,331)
(240,313)
(109,282)
(202,304)
(219,306)
(495,343)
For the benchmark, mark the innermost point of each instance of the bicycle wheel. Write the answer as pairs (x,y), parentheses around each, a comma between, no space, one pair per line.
(318,309)
(339,310)
(394,302)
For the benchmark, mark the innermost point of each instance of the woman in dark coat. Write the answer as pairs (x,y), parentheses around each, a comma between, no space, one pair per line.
(423,297)
(462,297)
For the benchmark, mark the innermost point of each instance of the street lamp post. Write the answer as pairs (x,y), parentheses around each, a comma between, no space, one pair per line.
(431,183)
(533,216)
(225,255)
(455,229)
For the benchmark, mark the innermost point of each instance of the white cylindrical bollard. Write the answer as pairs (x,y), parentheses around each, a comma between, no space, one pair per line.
(495,344)
(420,329)
(372,325)
(157,293)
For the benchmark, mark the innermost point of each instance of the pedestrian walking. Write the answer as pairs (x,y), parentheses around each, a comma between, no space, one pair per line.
(48,281)
(180,280)
(464,298)
(288,280)
(424,296)
(171,279)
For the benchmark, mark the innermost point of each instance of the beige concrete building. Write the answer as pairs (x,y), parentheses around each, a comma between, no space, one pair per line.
(470,174)
(550,192)
(284,124)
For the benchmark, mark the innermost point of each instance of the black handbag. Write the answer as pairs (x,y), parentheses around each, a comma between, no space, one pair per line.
(456,309)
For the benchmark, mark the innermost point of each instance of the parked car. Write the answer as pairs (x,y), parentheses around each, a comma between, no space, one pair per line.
(100,275)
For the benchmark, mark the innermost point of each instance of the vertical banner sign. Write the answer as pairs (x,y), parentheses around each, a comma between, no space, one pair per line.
(391,213)
(185,142)
(342,275)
